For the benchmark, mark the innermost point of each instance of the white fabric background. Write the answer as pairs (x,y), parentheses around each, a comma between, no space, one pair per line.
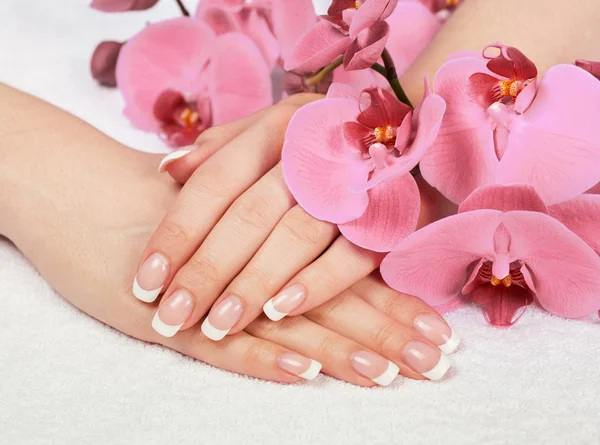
(67,379)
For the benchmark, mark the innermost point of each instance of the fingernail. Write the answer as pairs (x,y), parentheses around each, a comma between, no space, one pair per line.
(172,313)
(222,318)
(438,332)
(151,277)
(172,157)
(425,359)
(299,365)
(285,302)
(374,367)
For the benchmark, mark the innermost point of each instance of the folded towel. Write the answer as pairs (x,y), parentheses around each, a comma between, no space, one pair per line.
(67,379)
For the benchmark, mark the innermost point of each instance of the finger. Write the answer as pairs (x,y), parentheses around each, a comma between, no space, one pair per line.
(206,197)
(353,318)
(410,310)
(341,357)
(342,265)
(242,353)
(182,163)
(294,243)
(227,249)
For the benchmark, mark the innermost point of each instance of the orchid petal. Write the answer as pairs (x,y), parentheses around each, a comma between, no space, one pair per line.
(551,147)
(516,66)
(591,67)
(429,120)
(339,90)
(391,216)
(361,79)
(370,12)
(319,167)
(232,99)
(565,270)
(434,261)
(463,156)
(166,55)
(504,198)
(318,47)
(221,20)
(380,108)
(582,216)
(366,48)
(122,5)
(256,26)
(502,305)
(291,19)
(412,28)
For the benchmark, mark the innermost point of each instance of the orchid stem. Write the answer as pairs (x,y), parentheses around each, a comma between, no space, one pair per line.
(183,9)
(380,69)
(314,80)
(392,77)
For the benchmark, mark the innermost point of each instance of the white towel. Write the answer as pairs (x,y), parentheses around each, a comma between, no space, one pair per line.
(67,379)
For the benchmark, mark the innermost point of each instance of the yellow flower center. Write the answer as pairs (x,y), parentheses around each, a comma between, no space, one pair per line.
(506,281)
(357,4)
(451,3)
(189,117)
(384,134)
(510,88)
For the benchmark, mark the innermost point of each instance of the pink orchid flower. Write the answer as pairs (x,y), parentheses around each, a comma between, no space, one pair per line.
(178,78)
(347,158)
(502,126)
(504,252)
(122,5)
(104,63)
(412,27)
(354,28)
(442,8)
(275,26)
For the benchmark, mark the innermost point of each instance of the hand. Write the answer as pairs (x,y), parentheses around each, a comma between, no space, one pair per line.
(361,336)
(235,241)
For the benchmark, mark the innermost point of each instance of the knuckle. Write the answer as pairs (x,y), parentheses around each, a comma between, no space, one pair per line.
(328,347)
(303,228)
(211,182)
(394,307)
(174,233)
(198,271)
(387,337)
(252,211)
(254,355)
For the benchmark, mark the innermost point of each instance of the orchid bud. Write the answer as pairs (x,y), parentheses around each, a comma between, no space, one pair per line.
(591,67)
(104,63)
(122,5)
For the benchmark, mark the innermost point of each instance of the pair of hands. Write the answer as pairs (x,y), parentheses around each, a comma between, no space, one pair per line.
(236,244)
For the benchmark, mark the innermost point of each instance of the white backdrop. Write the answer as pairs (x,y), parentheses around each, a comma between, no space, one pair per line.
(67,379)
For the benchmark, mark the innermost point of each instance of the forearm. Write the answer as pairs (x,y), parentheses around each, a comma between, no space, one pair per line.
(547,31)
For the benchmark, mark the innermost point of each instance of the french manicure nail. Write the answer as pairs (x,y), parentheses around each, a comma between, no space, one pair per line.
(425,359)
(173,313)
(222,318)
(150,279)
(438,332)
(285,302)
(172,157)
(374,367)
(299,365)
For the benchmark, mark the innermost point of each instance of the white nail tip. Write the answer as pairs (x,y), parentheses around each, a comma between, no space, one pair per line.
(388,376)
(313,370)
(147,296)
(271,312)
(164,329)
(171,157)
(438,370)
(213,333)
(451,345)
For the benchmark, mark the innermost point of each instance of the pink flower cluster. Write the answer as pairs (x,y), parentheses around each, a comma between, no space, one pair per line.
(181,76)
(518,153)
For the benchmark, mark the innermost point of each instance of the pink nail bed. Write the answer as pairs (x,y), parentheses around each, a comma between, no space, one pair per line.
(285,302)
(436,330)
(299,365)
(374,367)
(222,318)
(150,279)
(173,313)
(425,359)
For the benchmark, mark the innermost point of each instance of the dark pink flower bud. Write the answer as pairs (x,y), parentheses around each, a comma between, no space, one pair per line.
(591,67)
(104,62)
(122,5)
